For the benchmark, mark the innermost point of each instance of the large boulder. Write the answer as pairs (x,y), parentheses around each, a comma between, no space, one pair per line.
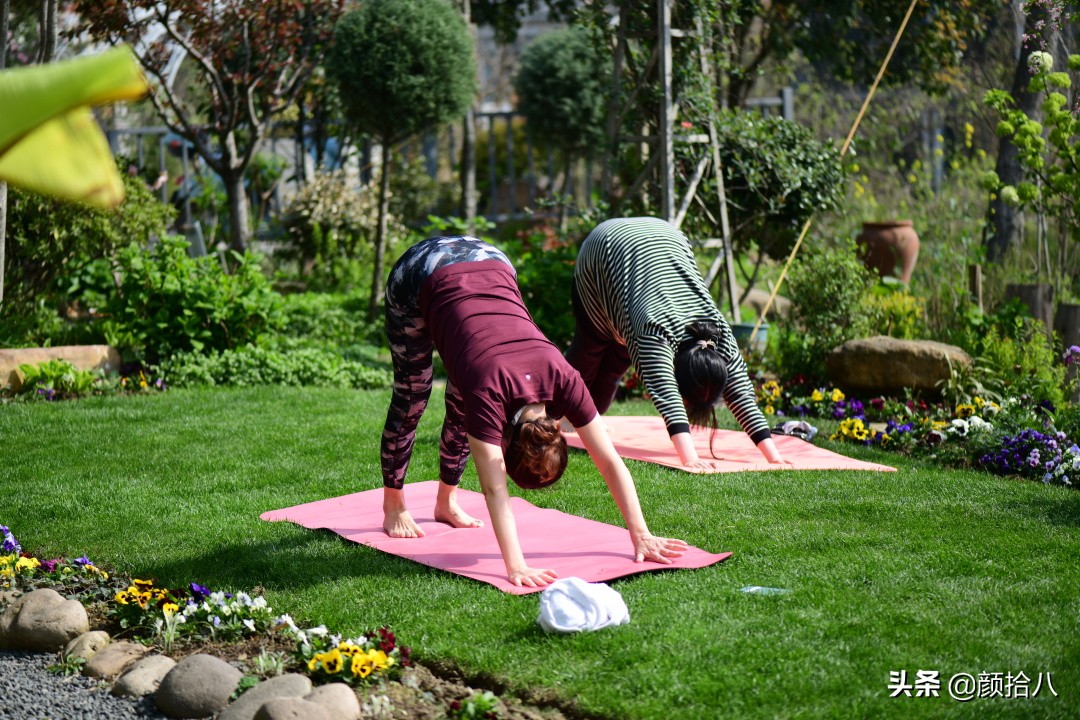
(83,357)
(199,686)
(42,621)
(886,365)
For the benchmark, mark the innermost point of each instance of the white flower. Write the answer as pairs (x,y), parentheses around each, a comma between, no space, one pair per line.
(1040,62)
(319,631)
(250,625)
(191,608)
(218,598)
(243,598)
(959,427)
(259,603)
(181,619)
(977,423)
(335,640)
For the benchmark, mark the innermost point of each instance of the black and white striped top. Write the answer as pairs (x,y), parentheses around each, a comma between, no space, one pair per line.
(639,282)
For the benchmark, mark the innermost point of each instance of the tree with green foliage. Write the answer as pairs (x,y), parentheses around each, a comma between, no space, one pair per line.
(562,92)
(250,62)
(402,67)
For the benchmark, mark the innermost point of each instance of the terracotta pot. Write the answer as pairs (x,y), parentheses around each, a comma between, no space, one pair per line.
(889,243)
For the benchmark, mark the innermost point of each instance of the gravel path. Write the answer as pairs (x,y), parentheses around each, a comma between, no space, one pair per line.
(30,692)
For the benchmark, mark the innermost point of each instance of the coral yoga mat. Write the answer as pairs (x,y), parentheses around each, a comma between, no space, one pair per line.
(570,545)
(646,439)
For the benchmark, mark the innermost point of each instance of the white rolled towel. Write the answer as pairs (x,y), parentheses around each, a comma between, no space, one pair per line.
(571,605)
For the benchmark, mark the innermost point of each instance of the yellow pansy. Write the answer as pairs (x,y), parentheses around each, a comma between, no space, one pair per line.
(964,410)
(7,559)
(837,396)
(333,662)
(379,659)
(169,609)
(24,563)
(313,664)
(817,396)
(360,665)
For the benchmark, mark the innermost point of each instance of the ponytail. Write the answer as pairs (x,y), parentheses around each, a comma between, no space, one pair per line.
(701,374)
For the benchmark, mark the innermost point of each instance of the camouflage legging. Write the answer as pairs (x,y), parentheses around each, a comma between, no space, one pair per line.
(411,347)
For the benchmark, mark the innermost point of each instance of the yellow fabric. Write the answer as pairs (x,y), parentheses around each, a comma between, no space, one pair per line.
(49,140)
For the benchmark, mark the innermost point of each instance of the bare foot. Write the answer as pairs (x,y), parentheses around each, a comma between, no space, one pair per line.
(399,524)
(454,516)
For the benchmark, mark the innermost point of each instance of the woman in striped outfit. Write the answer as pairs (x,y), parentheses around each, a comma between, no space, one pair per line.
(506,383)
(639,300)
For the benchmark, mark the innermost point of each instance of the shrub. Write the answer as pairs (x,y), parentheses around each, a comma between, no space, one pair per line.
(776,176)
(330,231)
(828,288)
(262,366)
(327,319)
(897,313)
(562,91)
(166,302)
(47,239)
(1028,366)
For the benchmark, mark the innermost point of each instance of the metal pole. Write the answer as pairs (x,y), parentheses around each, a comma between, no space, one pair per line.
(666,147)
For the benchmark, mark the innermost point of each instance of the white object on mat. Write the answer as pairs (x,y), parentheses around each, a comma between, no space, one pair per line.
(571,605)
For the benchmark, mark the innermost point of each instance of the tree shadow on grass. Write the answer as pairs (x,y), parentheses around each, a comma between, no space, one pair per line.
(1061,507)
(300,560)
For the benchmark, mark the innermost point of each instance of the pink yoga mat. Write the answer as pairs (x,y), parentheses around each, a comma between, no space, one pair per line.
(646,439)
(570,545)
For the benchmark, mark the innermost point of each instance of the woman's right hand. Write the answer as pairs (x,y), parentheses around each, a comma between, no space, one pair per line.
(532,577)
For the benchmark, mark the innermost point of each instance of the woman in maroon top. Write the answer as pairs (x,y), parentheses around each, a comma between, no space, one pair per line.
(506,385)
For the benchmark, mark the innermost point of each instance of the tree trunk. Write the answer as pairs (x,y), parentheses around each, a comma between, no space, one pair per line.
(239,211)
(468,146)
(380,234)
(1005,219)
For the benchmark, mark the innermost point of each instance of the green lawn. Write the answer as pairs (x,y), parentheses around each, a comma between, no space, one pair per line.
(923,569)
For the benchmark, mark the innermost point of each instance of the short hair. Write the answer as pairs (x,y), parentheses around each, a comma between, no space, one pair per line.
(535,453)
(701,372)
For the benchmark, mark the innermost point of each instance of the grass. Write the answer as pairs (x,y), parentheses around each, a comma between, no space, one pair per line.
(923,569)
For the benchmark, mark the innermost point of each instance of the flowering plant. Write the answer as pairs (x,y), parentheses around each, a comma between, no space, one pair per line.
(191,611)
(354,660)
(22,569)
(1037,455)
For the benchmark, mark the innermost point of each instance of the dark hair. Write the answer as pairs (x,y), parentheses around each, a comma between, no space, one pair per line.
(535,455)
(701,373)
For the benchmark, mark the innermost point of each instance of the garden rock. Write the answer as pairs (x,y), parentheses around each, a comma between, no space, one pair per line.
(292,709)
(290,685)
(144,677)
(83,357)
(114,659)
(885,365)
(87,644)
(199,686)
(338,699)
(42,621)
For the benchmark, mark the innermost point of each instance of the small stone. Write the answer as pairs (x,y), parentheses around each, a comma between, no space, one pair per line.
(87,644)
(292,709)
(199,686)
(339,700)
(291,685)
(114,659)
(144,677)
(42,621)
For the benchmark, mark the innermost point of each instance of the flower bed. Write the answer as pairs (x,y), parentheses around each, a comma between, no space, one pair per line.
(1016,436)
(195,618)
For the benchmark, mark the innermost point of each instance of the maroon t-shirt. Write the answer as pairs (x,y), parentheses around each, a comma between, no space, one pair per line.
(494,353)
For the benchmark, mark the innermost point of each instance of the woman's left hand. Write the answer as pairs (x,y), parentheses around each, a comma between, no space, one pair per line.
(658,549)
